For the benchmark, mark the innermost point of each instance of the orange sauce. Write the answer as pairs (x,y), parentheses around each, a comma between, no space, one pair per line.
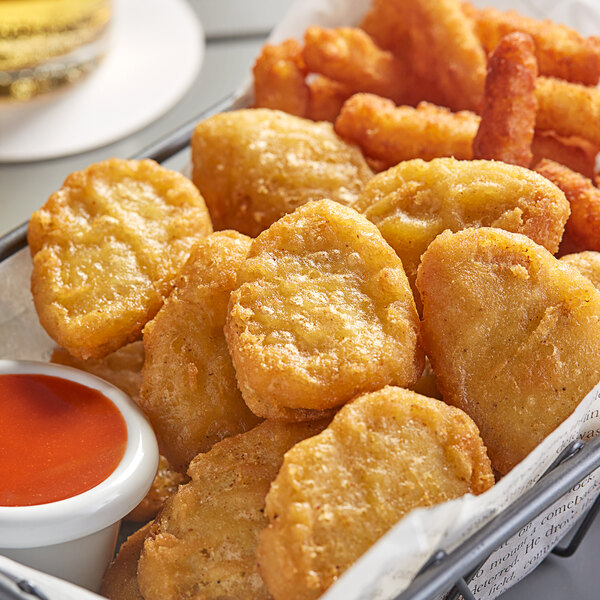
(58,439)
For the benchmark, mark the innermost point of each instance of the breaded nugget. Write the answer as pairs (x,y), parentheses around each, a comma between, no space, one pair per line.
(165,484)
(509,105)
(569,109)
(120,580)
(203,546)
(392,134)
(105,249)
(583,225)
(415,201)
(189,390)
(384,454)
(322,312)
(587,263)
(253,166)
(350,56)
(326,98)
(513,335)
(560,51)
(279,73)
(576,153)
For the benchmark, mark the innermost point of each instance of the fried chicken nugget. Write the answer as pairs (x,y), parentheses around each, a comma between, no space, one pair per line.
(203,546)
(415,201)
(253,166)
(339,491)
(326,98)
(513,335)
(561,51)
(120,580)
(587,263)
(105,250)
(392,133)
(189,390)
(577,154)
(509,105)
(322,312)
(279,78)
(568,109)
(583,225)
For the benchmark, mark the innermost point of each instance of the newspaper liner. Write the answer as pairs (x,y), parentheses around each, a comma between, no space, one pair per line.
(390,565)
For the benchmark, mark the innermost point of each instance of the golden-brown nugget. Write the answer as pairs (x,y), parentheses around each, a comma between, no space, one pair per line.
(384,454)
(395,133)
(587,263)
(509,105)
(561,51)
(254,166)
(189,390)
(583,225)
(120,580)
(323,311)
(105,250)
(576,153)
(415,201)
(203,546)
(513,335)
(326,98)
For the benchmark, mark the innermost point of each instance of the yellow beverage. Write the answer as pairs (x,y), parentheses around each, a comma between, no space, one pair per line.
(44,43)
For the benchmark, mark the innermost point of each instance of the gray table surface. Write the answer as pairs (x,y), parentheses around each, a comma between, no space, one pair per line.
(235,31)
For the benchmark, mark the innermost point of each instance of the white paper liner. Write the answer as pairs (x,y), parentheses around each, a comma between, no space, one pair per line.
(389,566)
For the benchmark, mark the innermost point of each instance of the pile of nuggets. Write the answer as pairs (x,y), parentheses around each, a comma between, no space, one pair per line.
(346,346)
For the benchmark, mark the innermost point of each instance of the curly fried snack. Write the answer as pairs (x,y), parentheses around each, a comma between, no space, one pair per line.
(326,98)
(203,546)
(254,166)
(189,391)
(279,73)
(392,133)
(577,154)
(120,580)
(509,105)
(105,250)
(323,312)
(513,335)
(568,109)
(587,263)
(415,201)
(561,51)
(583,225)
(384,454)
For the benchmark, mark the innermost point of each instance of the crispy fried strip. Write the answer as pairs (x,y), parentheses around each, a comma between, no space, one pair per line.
(577,154)
(561,51)
(583,225)
(279,83)
(392,134)
(508,113)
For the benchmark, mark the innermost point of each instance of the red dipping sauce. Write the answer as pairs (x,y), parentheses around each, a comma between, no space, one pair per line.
(58,439)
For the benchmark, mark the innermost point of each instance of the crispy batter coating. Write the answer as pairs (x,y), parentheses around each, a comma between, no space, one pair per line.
(561,51)
(415,201)
(587,263)
(189,391)
(254,166)
(577,154)
(383,22)
(326,98)
(384,454)
(165,484)
(583,225)
(203,546)
(513,335)
(323,312)
(120,580)
(350,56)
(122,368)
(279,73)
(105,249)
(392,133)
(569,109)
(509,105)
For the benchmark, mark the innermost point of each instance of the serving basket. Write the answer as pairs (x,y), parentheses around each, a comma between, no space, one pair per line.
(448,572)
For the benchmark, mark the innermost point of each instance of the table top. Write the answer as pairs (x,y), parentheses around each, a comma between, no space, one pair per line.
(235,31)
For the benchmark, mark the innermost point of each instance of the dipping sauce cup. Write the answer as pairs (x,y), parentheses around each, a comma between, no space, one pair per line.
(74,538)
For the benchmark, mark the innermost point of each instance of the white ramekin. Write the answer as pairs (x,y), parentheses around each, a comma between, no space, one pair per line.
(75,538)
